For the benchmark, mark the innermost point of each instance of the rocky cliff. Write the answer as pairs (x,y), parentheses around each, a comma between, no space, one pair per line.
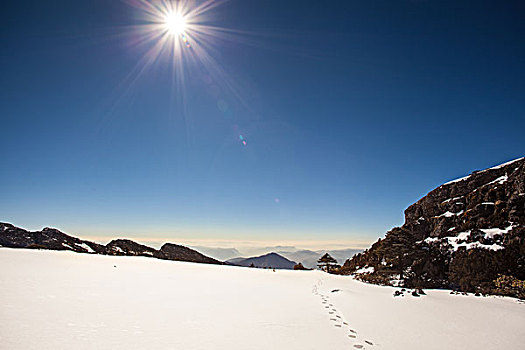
(53,239)
(468,234)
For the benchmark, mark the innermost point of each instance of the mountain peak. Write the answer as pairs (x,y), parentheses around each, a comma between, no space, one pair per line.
(270,260)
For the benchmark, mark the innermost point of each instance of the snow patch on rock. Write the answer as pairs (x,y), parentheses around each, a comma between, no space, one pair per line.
(365,269)
(459,241)
(502,179)
(491,232)
(86,247)
(449,214)
(504,164)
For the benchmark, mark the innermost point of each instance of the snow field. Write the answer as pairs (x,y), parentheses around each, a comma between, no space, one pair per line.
(64,300)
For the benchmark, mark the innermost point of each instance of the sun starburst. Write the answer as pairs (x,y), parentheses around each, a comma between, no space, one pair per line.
(175,23)
(185,35)
(176,28)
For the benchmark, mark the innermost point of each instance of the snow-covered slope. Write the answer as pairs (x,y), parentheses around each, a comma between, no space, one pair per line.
(65,300)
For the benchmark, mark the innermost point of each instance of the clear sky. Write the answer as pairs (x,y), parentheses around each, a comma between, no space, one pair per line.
(283,121)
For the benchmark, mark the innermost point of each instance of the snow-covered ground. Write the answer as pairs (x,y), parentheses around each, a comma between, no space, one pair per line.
(66,300)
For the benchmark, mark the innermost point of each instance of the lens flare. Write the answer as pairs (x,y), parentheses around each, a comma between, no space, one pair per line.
(243,140)
(185,41)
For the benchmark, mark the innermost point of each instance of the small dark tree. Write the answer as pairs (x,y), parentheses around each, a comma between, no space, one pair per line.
(299,267)
(326,262)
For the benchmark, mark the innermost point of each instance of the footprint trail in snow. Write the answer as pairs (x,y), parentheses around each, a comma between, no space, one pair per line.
(337,320)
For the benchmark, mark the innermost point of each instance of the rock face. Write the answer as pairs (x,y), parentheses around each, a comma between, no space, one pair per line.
(270,260)
(48,238)
(468,234)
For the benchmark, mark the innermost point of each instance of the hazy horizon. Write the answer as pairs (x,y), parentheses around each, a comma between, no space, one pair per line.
(189,240)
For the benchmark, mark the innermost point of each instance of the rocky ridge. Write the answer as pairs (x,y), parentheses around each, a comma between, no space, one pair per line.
(467,234)
(53,239)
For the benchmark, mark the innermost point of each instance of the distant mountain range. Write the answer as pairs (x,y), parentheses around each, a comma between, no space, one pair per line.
(309,257)
(306,257)
(218,253)
(271,260)
(467,234)
(53,239)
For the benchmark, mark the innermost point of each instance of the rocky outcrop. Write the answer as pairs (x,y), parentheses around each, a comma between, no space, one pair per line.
(48,238)
(53,239)
(129,247)
(467,234)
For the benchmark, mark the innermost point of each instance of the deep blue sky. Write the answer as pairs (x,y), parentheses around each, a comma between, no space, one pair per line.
(351,110)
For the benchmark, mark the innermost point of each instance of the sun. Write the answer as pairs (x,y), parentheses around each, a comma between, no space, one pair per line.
(175,23)
(178,30)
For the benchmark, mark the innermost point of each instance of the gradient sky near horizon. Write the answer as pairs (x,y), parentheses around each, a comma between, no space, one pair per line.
(314,121)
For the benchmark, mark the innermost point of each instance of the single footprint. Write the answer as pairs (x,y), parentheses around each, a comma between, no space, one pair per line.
(352,336)
(345,323)
(337,325)
(333,319)
(353,331)
(337,316)
(330,312)
(358,346)
(369,342)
